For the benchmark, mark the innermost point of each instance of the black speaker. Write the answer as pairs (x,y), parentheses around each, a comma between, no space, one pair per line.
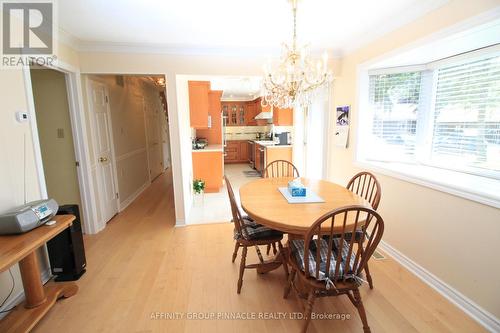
(66,250)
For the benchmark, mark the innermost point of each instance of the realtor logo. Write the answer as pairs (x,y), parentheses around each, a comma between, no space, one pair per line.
(27,32)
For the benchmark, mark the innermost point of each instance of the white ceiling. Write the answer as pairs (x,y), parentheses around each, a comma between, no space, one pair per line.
(236,88)
(258,25)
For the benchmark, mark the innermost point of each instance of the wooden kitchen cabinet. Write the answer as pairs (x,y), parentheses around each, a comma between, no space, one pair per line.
(208,166)
(278,153)
(283,117)
(214,133)
(236,151)
(198,103)
(250,113)
(243,153)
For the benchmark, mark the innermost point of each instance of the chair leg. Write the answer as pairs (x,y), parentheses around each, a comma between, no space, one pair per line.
(283,258)
(367,270)
(236,247)
(288,286)
(268,249)
(307,315)
(368,276)
(242,268)
(361,310)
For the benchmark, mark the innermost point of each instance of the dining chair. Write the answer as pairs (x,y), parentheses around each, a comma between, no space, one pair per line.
(334,266)
(276,169)
(366,185)
(280,168)
(248,233)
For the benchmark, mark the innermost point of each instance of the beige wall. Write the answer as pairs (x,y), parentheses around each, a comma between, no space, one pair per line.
(58,154)
(455,239)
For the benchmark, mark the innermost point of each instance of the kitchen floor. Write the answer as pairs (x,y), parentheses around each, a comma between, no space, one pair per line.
(214,207)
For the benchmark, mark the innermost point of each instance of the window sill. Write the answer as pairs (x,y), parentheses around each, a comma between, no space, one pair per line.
(471,187)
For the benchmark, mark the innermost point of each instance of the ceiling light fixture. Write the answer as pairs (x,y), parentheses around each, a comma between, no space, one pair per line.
(296,79)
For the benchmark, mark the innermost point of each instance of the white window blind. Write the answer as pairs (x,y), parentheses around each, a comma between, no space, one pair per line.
(466,126)
(443,114)
(394,102)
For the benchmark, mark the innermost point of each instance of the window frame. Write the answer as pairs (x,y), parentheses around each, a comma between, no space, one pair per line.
(471,185)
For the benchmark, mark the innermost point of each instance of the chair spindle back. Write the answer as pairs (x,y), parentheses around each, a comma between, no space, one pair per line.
(351,254)
(237,218)
(280,168)
(366,185)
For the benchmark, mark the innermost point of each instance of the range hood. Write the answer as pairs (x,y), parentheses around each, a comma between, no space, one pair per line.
(265,115)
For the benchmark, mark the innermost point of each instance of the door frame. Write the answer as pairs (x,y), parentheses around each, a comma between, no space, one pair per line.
(80,141)
(93,164)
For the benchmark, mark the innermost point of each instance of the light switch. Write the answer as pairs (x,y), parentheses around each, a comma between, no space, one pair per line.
(60,133)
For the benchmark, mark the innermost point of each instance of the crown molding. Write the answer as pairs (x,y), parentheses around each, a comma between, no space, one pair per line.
(193,50)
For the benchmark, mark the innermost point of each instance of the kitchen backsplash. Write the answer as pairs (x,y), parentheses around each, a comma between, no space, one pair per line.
(245,132)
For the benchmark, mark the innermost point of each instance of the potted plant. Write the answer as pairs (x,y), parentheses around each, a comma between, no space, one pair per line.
(198,188)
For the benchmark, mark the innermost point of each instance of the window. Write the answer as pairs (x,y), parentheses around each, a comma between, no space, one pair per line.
(466,133)
(444,115)
(394,102)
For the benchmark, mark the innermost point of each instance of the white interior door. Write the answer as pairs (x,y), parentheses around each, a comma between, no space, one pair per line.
(154,141)
(103,150)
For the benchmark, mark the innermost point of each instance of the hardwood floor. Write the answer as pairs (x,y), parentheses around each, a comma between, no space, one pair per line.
(140,265)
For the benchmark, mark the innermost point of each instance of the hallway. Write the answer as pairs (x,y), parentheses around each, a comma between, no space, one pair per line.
(140,265)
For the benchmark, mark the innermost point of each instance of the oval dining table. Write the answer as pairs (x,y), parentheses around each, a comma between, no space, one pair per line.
(265,204)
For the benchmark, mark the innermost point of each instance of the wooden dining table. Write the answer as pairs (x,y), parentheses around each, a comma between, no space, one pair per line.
(265,204)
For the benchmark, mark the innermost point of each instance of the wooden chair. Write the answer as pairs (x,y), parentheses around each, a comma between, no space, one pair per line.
(333,266)
(249,233)
(276,169)
(280,168)
(366,185)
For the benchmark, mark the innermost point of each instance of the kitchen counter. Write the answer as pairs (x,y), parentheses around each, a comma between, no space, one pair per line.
(278,146)
(209,148)
(270,144)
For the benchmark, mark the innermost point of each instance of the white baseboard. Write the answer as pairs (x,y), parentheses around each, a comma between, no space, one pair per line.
(483,317)
(16,299)
(180,223)
(133,196)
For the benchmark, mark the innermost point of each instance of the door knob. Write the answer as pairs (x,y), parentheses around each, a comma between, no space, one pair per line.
(103,159)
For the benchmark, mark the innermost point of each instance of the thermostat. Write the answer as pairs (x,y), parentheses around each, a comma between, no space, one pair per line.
(21,116)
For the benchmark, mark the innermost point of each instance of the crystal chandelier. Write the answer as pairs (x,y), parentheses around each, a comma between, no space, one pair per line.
(297,77)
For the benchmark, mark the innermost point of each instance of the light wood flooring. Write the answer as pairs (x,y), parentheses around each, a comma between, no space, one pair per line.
(140,265)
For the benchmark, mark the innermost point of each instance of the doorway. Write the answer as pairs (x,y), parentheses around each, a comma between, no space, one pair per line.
(127,117)
(52,110)
(103,159)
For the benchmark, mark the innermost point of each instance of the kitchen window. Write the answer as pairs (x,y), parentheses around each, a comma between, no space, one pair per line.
(437,121)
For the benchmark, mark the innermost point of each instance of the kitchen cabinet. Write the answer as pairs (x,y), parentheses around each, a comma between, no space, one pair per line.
(251,108)
(214,133)
(198,103)
(275,153)
(283,117)
(236,151)
(235,112)
(243,153)
(243,113)
(208,166)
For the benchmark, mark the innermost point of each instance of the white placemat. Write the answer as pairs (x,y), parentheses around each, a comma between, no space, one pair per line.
(310,197)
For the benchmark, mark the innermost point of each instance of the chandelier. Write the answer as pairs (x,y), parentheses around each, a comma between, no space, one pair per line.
(296,78)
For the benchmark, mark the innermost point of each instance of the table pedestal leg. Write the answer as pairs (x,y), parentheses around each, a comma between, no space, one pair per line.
(33,288)
(39,299)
